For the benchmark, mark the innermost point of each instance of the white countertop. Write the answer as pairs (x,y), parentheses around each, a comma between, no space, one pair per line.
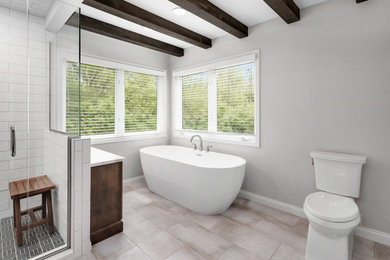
(100,157)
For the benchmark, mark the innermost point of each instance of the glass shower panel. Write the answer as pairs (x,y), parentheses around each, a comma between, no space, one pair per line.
(64,78)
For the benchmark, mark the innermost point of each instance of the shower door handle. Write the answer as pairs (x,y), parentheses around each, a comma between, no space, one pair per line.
(13,141)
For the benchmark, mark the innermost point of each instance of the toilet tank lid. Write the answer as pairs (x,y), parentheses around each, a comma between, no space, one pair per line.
(342,157)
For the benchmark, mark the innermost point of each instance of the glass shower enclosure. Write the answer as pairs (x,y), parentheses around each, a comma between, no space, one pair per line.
(33,141)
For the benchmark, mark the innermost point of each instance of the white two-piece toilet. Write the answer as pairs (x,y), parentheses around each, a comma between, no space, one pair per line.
(332,212)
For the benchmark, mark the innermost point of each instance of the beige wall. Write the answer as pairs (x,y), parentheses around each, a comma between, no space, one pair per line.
(325,84)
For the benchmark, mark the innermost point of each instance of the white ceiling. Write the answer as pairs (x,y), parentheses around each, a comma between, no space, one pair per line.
(249,12)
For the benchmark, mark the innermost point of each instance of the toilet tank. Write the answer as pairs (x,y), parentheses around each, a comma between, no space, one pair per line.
(338,173)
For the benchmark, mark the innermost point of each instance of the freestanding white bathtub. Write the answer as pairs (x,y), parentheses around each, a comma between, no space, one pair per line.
(204,182)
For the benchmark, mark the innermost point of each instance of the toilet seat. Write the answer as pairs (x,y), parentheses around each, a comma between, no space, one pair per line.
(331,207)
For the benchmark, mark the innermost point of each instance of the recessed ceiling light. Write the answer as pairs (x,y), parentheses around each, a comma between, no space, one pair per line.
(179,11)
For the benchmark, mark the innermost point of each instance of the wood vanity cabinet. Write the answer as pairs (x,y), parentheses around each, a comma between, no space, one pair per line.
(106,201)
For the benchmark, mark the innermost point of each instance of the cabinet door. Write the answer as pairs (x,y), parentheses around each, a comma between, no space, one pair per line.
(106,195)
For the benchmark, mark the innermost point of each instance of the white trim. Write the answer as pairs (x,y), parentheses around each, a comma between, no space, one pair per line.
(372,234)
(237,139)
(242,58)
(103,139)
(294,210)
(133,180)
(119,102)
(367,233)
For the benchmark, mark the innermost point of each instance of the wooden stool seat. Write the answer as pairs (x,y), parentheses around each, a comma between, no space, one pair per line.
(30,187)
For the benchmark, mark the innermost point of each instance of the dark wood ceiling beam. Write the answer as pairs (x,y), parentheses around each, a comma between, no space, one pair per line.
(286,9)
(214,15)
(142,17)
(109,30)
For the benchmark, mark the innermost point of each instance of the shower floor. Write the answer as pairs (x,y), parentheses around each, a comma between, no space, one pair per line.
(39,240)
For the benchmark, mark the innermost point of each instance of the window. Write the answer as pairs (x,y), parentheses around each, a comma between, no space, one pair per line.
(195,101)
(219,101)
(97,103)
(116,100)
(236,99)
(140,102)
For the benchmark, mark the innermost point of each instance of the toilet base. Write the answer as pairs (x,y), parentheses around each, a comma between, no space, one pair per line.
(322,246)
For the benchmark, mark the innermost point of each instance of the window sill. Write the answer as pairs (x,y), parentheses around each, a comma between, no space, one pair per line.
(234,139)
(103,139)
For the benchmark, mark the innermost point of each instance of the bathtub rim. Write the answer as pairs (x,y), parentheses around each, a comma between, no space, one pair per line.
(190,164)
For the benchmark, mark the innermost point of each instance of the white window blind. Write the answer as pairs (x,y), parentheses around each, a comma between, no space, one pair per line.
(236,99)
(97,100)
(195,101)
(140,102)
(219,100)
(72,97)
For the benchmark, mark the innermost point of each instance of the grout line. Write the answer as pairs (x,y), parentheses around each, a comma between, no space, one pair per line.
(275,251)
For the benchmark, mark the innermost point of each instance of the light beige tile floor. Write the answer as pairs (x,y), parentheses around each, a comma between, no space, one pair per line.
(155,228)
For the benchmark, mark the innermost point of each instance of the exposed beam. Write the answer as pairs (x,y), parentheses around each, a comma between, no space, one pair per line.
(286,9)
(142,17)
(214,15)
(96,26)
(360,1)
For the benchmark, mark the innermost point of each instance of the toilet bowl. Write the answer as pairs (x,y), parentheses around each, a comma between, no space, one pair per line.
(332,212)
(332,221)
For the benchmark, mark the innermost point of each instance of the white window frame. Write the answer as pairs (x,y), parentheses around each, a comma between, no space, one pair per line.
(120,68)
(212,135)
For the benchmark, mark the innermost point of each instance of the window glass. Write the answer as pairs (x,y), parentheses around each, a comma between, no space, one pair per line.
(236,99)
(195,101)
(97,100)
(140,102)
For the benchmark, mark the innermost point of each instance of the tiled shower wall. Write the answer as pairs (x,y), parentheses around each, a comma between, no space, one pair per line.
(14,98)
(81,202)
(56,167)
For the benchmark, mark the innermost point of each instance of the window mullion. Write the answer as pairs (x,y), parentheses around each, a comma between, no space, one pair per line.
(212,107)
(119,102)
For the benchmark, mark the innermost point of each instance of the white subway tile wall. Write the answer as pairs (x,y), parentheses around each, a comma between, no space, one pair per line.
(81,197)
(56,167)
(18,42)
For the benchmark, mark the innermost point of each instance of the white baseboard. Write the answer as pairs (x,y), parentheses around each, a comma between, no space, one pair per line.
(372,234)
(133,180)
(368,233)
(294,210)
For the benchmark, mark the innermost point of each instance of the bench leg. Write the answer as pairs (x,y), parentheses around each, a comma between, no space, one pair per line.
(18,220)
(43,205)
(50,212)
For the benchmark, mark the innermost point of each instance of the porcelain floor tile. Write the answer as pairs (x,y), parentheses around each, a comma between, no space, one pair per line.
(248,230)
(141,231)
(287,253)
(382,252)
(160,245)
(112,247)
(235,253)
(205,242)
(186,253)
(257,243)
(134,254)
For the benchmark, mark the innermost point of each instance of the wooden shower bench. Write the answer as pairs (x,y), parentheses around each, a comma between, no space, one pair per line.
(26,188)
